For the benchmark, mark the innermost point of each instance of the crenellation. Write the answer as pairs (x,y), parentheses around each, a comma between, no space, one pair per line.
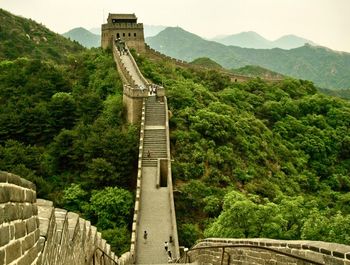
(33,232)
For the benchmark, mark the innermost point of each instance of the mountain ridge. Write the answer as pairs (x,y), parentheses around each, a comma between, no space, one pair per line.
(84,37)
(22,37)
(251,39)
(325,67)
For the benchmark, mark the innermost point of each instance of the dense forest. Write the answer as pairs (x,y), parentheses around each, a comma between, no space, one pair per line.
(251,159)
(256,159)
(62,126)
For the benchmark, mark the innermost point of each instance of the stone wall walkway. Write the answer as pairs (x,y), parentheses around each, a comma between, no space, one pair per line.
(129,65)
(155,204)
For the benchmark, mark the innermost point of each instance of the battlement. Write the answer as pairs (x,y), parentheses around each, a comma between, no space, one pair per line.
(122,26)
(33,232)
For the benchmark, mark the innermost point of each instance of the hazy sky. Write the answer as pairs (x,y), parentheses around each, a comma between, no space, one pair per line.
(326,22)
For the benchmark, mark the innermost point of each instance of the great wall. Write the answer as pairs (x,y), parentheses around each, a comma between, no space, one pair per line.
(32,231)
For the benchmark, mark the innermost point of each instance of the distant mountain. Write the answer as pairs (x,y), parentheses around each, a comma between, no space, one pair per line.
(21,37)
(152,30)
(248,39)
(291,42)
(84,37)
(96,31)
(253,40)
(327,68)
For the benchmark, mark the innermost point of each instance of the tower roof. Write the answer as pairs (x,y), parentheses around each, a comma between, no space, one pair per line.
(121,18)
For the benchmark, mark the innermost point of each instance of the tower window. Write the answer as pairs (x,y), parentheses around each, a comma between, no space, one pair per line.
(129,34)
(134,34)
(118,35)
(123,34)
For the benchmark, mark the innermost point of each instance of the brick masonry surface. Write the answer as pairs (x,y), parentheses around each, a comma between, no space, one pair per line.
(32,231)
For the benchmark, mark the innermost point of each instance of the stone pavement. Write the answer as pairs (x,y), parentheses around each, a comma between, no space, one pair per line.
(155,204)
(129,65)
(155,219)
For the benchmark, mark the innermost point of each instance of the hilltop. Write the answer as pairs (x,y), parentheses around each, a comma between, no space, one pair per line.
(325,67)
(84,37)
(206,62)
(21,37)
(253,40)
(257,71)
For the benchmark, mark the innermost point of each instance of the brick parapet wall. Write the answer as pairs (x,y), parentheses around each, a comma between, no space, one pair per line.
(170,183)
(19,225)
(32,231)
(69,239)
(268,251)
(137,207)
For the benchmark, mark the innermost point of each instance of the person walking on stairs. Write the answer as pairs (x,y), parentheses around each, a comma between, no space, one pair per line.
(145,236)
(166,246)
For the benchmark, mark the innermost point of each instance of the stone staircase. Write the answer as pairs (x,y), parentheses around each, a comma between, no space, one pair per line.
(155,112)
(154,144)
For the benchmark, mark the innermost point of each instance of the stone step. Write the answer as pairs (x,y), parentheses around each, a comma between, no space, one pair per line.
(155,140)
(149,163)
(155,146)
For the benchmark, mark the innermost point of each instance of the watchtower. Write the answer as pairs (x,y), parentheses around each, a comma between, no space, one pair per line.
(124,27)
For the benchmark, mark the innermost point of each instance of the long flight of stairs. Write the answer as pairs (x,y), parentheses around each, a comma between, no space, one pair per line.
(155,112)
(154,144)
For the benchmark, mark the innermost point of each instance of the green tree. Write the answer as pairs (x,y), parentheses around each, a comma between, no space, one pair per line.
(112,207)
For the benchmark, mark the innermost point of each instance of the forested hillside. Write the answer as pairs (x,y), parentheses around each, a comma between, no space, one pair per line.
(327,68)
(20,37)
(62,126)
(256,159)
(251,159)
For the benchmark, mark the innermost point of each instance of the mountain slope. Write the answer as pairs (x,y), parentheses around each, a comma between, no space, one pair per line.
(253,40)
(248,39)
(84,37)
(152,30)
(290,42)
(325,67)
(257,71)
(21,37)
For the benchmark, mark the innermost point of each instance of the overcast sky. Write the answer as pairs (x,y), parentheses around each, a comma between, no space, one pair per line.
(326,22)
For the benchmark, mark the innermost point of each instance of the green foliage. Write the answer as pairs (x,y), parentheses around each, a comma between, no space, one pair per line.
(23,37)
(256,71)
(111,206)
(255,159)
(189,234)
(62,125)
(118,238)
(206,62)
(74,198)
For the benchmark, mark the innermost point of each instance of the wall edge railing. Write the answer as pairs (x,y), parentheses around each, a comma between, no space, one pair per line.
(136,217)
(170,182)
